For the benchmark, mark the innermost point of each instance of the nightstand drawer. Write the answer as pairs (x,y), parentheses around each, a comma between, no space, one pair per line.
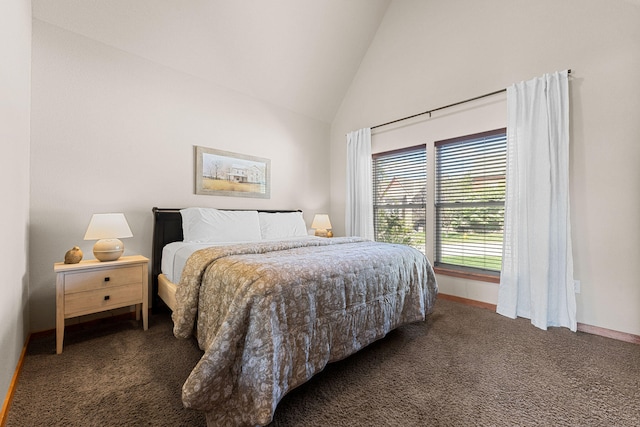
(102,278)
(78,303)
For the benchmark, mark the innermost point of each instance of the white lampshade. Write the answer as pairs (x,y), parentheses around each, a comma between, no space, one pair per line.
(108,228)
(321,224)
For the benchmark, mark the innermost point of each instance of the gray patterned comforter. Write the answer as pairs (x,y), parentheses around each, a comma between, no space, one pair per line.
(270,315)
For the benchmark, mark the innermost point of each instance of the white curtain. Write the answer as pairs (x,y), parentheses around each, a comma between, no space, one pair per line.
(359,209)
(536,281)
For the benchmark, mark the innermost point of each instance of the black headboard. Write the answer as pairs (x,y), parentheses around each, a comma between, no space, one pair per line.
(167,228)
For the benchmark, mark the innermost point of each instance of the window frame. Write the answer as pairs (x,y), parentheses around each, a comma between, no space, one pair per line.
(475,273)
(420,149)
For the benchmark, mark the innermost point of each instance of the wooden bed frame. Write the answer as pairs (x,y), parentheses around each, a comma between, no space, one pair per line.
(167,228)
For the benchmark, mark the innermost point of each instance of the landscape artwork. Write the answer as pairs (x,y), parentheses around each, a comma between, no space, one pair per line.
(223,173)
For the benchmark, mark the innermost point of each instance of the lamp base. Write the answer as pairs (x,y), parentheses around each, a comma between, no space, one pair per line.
(108,249)
(322,233)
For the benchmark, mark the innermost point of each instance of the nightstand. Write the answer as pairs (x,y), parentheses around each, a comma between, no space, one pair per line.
(93,286)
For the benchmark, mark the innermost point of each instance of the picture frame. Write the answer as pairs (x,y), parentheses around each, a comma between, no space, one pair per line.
(223,173)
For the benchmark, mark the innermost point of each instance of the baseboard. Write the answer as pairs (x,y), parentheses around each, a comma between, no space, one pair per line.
(86,324)
(468,301)
(609,333)
(582,327)
(12,386)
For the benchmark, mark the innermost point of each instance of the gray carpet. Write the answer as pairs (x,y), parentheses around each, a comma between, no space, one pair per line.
(465,366)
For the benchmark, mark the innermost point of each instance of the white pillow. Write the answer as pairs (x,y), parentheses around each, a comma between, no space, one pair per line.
(208,225)
(281,225)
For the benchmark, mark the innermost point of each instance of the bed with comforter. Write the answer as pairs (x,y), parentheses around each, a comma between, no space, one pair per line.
(269,314)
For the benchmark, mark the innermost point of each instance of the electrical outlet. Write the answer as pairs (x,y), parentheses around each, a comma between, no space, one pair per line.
(576,286)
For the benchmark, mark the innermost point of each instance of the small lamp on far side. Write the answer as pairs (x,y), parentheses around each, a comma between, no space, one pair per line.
(108,229)
(322,225)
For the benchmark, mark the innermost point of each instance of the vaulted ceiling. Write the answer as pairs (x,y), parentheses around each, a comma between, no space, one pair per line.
(298,54)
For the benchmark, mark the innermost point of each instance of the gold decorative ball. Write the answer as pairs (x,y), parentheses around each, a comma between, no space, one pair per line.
(73,256)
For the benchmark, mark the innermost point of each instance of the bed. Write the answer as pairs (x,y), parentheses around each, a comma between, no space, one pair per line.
(269,313)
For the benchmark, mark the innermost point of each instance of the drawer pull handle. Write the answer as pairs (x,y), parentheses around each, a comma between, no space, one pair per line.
(106,279)
(106,297)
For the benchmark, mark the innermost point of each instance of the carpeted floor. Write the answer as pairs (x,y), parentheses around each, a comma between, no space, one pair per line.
(465,366)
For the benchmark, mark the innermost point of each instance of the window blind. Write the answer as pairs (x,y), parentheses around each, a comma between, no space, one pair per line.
(399,196)
(470,194)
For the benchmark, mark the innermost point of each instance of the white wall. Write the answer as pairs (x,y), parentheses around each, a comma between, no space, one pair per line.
(115,132)
(15,26)
(431,53)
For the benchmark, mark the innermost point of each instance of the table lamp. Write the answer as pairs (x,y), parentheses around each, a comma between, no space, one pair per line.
(322,224)
(108,229)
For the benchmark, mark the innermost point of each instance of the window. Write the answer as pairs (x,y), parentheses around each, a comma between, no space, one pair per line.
(469,202)
(399,196)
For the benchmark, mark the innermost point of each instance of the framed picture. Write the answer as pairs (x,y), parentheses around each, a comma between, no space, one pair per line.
(222,173)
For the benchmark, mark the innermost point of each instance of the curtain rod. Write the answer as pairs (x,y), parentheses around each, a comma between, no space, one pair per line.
(446,106)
